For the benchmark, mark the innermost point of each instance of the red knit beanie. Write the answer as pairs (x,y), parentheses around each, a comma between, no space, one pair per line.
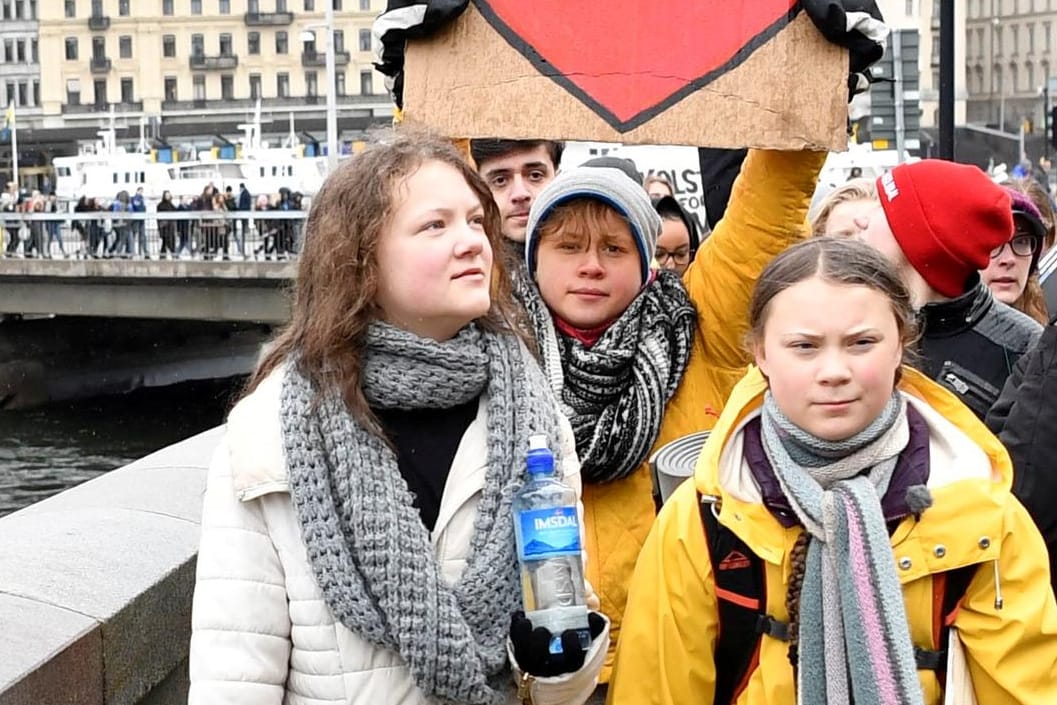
(947,218)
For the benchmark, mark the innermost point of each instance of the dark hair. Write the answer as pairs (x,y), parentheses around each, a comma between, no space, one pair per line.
(837,261)
(337,278)
(484,149)
(670,209)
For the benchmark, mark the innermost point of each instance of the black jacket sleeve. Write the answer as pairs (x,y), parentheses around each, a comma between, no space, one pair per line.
(1025,419)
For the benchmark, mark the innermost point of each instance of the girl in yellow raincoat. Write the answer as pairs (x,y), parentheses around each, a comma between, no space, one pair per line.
(858,486)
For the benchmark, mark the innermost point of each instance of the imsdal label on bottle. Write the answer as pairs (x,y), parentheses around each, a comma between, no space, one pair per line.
(549,533)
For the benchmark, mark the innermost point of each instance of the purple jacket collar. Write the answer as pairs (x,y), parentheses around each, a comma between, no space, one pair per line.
(912,469)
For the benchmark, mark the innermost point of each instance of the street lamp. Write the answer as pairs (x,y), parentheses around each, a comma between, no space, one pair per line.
(307,35)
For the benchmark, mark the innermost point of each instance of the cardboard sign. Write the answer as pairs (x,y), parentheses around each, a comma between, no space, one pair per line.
(720,73)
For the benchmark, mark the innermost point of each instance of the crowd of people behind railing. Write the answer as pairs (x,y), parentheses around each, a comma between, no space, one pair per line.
(214,225)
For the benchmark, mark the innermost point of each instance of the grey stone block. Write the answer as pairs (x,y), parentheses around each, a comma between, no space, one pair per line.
(149,638)
(171,691)
(50,655)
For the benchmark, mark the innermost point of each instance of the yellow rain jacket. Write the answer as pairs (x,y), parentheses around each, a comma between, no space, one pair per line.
(670,626)
(767,213)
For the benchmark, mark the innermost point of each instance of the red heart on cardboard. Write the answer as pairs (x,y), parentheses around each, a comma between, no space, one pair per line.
(629,60)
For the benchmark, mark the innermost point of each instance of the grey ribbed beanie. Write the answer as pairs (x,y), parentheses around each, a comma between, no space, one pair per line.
(610,186)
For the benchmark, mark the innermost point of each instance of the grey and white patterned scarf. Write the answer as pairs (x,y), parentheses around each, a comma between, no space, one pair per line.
(615,391)
(370,552)
(854,640)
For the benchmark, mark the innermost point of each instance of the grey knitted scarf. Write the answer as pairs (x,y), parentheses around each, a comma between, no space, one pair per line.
(851,602)
(370,552)
(615,391)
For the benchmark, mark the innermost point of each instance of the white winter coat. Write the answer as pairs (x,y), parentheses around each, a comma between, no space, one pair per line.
(262,633)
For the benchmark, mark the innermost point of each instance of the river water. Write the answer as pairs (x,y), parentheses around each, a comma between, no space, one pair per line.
(47,450)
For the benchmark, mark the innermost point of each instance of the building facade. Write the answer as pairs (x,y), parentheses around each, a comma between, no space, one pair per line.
(19,77)
(924,16)
(1009,53)
(184,67)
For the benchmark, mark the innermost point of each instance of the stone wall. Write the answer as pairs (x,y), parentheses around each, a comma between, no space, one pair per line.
(96,585)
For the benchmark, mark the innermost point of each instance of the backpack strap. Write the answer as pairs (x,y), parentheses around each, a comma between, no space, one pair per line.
(741,596)
(948,593)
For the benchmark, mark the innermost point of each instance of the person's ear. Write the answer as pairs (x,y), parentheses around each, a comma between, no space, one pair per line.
(759,356)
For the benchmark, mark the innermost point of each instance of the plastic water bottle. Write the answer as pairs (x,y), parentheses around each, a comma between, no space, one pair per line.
(547,527)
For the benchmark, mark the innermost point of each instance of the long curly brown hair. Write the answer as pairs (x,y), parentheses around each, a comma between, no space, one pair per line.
(338,276)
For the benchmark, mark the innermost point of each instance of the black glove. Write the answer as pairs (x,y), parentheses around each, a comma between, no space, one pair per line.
(532,646)
(856,25)
(401,22)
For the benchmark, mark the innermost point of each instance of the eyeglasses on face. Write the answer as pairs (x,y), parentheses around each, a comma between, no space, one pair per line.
(680,256)
(1022,246)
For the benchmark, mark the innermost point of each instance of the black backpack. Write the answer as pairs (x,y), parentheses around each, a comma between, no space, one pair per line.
(741,595)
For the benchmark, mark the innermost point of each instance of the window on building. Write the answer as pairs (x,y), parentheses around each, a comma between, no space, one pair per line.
(339,40)
(225,45)
(198,45)
(1030,30)
(196,7)
(1014,39)
(23,93)
(73,92)
(365,40)
(366,83)
(310,5)
(168,46)
(7,9)
(20,51)
(198,83)
(1030,69)
(71,8)
(253,6)
(9,51)
(98,48)
(9,93)
(253,43)
(127,95)
(1014,78)
(36,93)
(122,9)
(227,87)
(124,47)
(170,88)
(71,48)
(32,9)
(97,8)
(282,85)
(337,5)
(167,8)
(35,51)
(225,7)
(1046,43)
(365,5)
(339,83)
(18,9)
(255,86)
(909,7)
(309,47)
(281,43)
(100,92)
(280,5)
(311,84)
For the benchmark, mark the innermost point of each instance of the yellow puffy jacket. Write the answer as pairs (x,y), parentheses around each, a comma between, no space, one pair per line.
(767,211)
(670,626)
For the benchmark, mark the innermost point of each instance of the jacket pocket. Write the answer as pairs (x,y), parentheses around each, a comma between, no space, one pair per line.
(976,393)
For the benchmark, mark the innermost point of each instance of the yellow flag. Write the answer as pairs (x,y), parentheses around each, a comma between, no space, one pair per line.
(9,116)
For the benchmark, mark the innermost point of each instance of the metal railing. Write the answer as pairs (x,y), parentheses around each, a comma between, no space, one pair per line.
(269,19)
(319,58)
(221,61)
(189,235)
